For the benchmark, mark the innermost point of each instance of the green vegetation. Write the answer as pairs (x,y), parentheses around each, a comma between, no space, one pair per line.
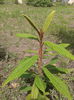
(10,13)
(41,73)
(40,3)
(12,22)
(1,1)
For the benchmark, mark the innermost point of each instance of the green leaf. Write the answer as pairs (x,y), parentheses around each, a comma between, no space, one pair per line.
(23,35)
(32,24)
(28,97)
(54,61)
(34,92)
(26,75)
(59,49)
(48,21)
(48,49)
(21,69)
(58,84)
(42,97)
(40,84)
(26,89)
(65,45)
(54,69)
(46,93)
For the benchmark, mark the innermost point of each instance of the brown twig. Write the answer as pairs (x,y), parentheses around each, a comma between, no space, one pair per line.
(40,52)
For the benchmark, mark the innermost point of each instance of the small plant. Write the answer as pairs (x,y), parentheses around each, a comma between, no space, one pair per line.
(40,3)
(44,76)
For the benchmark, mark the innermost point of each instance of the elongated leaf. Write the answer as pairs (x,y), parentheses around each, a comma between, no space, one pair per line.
(48,21)
(60,50)
(32,24)
(40,84)
(26,75)
(25,89)
(58,84)
(54,69)
(34,92)
(20,69)
(23,35)
(48,49)
(64,45)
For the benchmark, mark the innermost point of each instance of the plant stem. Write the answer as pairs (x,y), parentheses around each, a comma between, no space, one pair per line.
(40,53)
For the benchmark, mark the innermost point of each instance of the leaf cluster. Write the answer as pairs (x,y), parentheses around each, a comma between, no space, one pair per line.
(50,71)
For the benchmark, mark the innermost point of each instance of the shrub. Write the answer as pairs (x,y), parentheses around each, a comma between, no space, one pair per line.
(1,1)
(42,77)
(40,3)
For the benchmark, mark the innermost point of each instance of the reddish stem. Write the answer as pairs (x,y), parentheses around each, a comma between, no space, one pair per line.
(40,53)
